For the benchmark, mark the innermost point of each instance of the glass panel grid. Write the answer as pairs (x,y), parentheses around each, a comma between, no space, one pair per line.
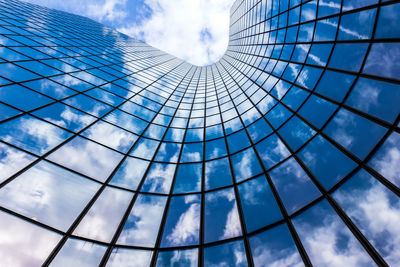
(284,151)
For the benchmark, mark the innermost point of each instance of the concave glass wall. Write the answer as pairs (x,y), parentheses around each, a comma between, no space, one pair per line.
(286,152)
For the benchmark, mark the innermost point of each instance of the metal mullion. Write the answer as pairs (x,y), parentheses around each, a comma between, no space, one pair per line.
(62,99)
(94,198)
(326,67)
(364,242)
(73,133)
(178,163)
(312,92)
(279,201)
(358,112)
(200,252)
(356,232)
(242,222)
(274,16)
(69,73)
(39,158)
(341,13)
(131,204)
(84,212)
(360,162)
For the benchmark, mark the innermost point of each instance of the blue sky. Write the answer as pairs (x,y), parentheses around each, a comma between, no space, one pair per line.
(195,30)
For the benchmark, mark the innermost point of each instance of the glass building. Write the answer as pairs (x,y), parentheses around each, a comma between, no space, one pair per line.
(285,152)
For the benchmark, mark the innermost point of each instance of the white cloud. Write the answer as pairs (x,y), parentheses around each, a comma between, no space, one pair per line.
(330,243)
(100,10)
(111,136)
(105,215)
(264,256)
(377,212)
(48,194)
(87,157)
(243,170)
(188,256)
(195,30)
(12,160)
(232,226)
(159,178)
(129,257)
(22,243)
(240,256)
(187,227)
(108,10)
(143,223)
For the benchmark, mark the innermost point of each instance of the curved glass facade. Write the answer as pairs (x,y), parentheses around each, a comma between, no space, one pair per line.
(286,152)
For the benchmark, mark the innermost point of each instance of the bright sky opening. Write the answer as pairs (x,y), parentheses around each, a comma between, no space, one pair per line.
(194,30)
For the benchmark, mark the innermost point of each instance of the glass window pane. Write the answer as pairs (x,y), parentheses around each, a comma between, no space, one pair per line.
(50,88)
(324,108)
(355,133)
(258,204)
(188,178)
(142,225)
(294,186)
(259,130)
(127,121)
(168,152)
(23,243)
(272,151)
(122,257)
(374,209)
(238,141)
(326,29)
(221,216)
(215,148)
(144,148)
(348,56)
(88,105)
(87,158)
(130,173)
(388,20)
(159,178)
(326,162)
(335,84)
(217,173)
(357,25)
(32,134)
(183,221)
(12,160)
(320,229)
(275,247)
(22,98)
(192,152)
(387,159)
(79,253)
(110,136)
(376,98)
(49,194)
(383,60)
(65,116)
(296,133)
(245,164)
(7,112)
(104,216)
(184,257)
(227,254)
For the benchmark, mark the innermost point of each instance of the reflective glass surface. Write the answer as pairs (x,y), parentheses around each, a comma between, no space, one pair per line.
(285,152)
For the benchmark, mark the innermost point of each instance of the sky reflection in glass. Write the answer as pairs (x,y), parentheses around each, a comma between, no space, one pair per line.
(113,152)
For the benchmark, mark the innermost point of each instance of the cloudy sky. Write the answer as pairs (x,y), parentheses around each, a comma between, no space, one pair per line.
(194,30)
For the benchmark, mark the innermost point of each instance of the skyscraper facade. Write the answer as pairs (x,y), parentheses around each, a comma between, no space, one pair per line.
(285,152)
